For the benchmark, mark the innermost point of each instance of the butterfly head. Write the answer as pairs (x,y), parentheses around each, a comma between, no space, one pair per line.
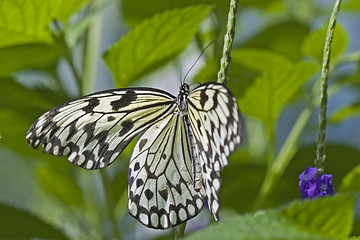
(184,89)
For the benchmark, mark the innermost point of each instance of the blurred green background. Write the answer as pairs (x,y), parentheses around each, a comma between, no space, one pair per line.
(52,51)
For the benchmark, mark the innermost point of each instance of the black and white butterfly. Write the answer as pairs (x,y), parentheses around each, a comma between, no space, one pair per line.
(176,163)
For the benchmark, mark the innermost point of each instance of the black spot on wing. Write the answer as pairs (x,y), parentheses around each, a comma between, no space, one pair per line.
(178,189)
(136,166)
(92,103)
(213,128)
(110,118)
(149,194)
(139,182)
(89,129)
(203,98)
(127,126)
(142,143)
(125,100)
(198,124)
(101,135)
(72,132)
(215,99)
(131,179)
(164,194)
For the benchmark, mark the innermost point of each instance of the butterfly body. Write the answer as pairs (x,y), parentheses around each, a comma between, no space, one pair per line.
(176,163)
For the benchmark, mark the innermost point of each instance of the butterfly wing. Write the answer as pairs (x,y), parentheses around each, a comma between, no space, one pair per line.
(216,122)
(92,131)
(161,191)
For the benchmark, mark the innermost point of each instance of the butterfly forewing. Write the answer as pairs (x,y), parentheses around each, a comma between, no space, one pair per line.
(92,131)
(161,191)
(216,121)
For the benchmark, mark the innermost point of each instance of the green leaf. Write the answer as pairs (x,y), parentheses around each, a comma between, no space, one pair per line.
(324,218)
(283,38)
(20,57)
(269,6)
(19,224)
(345,113)
(330,216)
(351,5)
(314,42)
(66,8)
(353,79)
(19,108)
(55,178)
(260,60)
(153,42)
(135,11)
(240,179)
(272,90)
(351,182)
(74,32)
(24,21)
(265,225)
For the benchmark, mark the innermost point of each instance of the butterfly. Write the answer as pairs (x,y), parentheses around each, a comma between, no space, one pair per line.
(176,163)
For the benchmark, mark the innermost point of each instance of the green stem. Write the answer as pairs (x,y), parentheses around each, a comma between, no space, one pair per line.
(179,231)
(228,40)
(77,76)
(289,148)
(67,53)
(287,151)
(59,84)
(320,150)
(92,52)
(110,203)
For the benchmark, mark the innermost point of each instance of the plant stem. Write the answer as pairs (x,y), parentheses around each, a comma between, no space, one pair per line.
(110,203)
(288,149)
(228,40)
(281,161)
(179,231)
(77,76)
(92,52)
(321,143)
(58,35)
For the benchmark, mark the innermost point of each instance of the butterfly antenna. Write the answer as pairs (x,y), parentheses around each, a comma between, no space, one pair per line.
(180,73)
(202,52)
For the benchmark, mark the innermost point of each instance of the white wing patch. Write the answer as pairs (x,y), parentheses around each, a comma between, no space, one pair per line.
(161,191)
(216,122)
(94,130)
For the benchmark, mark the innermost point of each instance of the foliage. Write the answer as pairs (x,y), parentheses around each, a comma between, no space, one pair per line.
(296,221)
(274,74)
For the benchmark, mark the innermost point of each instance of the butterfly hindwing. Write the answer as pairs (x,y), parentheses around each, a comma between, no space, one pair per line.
(161,191)
(92,131)
(216,122)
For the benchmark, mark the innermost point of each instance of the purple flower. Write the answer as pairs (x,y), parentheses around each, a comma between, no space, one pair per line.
(324,186)
(311,187)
